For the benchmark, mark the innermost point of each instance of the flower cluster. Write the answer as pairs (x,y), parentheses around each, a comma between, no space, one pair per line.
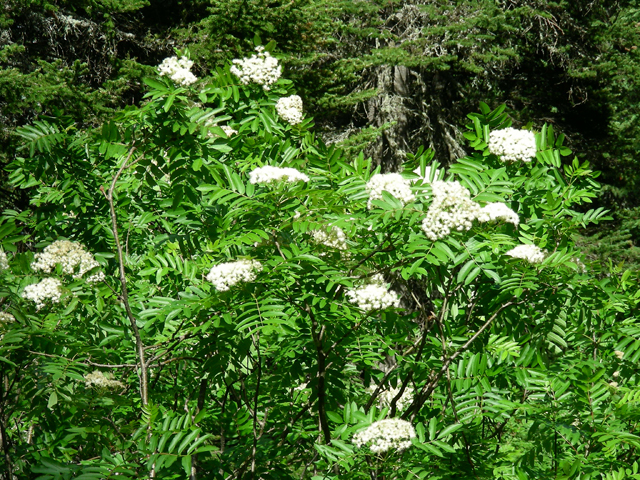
(530,253)
(619,354)
(374,296)
(385,397)
(48,289)
(228,274)
(6,318)
(73,258)
(451,209)
(332,239)
(178,69)
(511,144)
(493,212)
(392,183)
(99,380)
(228,131)
(260,68)
(269,175)
(383,435)
(290,109)
(4,262)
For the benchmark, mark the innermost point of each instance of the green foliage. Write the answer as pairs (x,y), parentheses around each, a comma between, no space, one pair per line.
(512,369)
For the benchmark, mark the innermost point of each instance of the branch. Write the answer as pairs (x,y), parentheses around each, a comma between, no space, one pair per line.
(124,297)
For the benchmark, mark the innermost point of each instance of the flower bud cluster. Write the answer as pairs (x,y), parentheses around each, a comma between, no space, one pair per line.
(49,289)
(392,183)
(99,380)
(290,109)
(374,296)
(511,144)
(260,68)
(451,209)
(384,435)
(493,212)
(268,175)
(385,397)
(4,262)
(6,318)
(228,274)
(178,69)
(530,253)
(73,258)
(335,238)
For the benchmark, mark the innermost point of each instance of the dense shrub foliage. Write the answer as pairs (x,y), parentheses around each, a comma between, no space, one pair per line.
(202,289)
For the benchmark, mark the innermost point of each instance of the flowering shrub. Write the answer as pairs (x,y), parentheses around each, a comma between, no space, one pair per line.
(260,68)
(511,145)
(385,435)
(290,109)
(47,290)
(227,275)
(178,70)
(267,380)
(269,175)
(530,253)
(451,210)
(392,183)
(73,258)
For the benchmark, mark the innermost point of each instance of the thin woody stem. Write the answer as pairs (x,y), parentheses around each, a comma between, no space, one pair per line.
(124,296)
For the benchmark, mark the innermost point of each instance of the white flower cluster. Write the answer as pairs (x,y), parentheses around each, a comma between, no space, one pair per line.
(228,274)
(451,209)
(4,262)
(260,68)
(75,260)
(392,183)
(290,109)
(99,380)
(383,435)
(385,397)
(48,289)
(6,318)
(178,69)
(619,354)
(269,175)
(228,131)
(374,296)
(336,238)
(493,212)
(511,144)
(530,253)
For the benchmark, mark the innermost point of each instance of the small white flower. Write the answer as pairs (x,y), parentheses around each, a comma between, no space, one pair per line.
(511,144)
(269,175)
(392,183)
(228,274)
(451,209)
(100,381)
(290,109)
(616,374)
(493,212)
(260,68)
(73,258)
(49,289)
(228,131)
(374,296)
(530,253)
(4,262)
(619,354)
(178,69)
(384,435)
(332,239)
